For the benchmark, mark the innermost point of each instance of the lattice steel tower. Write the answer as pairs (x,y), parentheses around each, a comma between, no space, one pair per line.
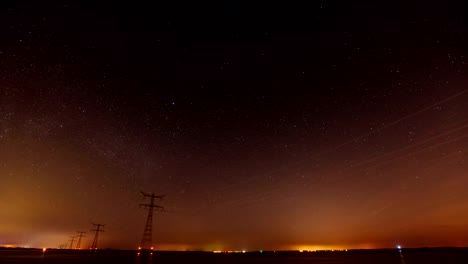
(147,240)
(72,239)
(78,245)
(98,229)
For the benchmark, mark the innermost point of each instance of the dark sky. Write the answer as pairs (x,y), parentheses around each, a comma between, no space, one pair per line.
(327,125)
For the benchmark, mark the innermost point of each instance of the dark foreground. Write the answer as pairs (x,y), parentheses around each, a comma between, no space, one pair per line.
(405,256)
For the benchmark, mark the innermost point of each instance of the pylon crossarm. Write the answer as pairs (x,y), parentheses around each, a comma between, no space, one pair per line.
(152,195)
(159,208)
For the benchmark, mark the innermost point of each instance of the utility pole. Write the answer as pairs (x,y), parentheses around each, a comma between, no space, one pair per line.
(71,241)
(147,240)
(78,245)
(98,229)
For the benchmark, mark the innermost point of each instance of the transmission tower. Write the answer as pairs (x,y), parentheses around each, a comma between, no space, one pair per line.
(71,241)
(98,229)
(78,245)
(147,240)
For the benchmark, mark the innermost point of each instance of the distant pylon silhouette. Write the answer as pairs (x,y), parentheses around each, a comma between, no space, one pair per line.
(147,240)
(78,245)
(98,229)
(71,241)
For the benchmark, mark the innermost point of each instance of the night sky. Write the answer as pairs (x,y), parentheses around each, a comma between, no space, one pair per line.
(327,125)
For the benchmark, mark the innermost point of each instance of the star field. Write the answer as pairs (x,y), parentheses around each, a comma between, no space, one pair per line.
(268,127)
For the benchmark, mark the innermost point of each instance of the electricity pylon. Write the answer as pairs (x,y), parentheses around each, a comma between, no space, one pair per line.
(71,241)
(98,229)
(78,245)
(147,240)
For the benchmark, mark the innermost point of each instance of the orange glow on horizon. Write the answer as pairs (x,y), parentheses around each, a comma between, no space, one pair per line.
(9,246)
(307,248)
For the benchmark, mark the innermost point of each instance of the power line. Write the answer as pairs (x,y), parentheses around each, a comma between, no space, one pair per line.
(355,139)
(376,160)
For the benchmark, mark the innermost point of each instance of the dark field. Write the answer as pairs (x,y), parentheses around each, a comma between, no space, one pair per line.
(423,256)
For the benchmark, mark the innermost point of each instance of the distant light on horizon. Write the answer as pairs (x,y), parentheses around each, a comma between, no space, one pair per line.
(279,141)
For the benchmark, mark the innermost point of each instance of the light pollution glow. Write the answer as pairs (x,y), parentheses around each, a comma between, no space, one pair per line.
(300,134)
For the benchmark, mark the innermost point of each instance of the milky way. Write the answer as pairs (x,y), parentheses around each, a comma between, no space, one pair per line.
(279,127)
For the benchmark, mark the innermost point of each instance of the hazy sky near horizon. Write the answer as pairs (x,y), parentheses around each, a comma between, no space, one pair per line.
(268,127)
